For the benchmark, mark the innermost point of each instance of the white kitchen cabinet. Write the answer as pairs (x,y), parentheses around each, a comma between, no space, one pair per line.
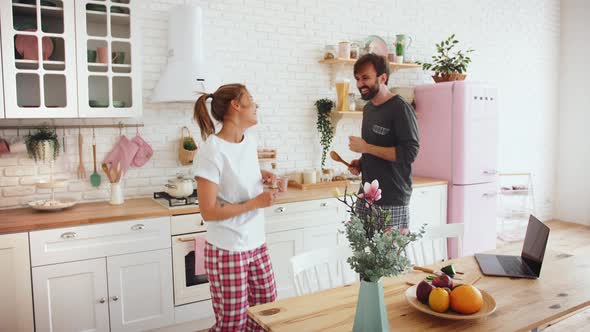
(71,296)
(63,82)
(16,307)
(428,205)
(140,290)
(281,247)
(111,86)
(324,236)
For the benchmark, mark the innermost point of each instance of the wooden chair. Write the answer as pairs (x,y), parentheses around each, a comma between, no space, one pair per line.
(432,247)
(322,269)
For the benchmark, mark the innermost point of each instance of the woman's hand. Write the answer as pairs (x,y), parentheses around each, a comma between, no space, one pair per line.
(265,199)
(268,178)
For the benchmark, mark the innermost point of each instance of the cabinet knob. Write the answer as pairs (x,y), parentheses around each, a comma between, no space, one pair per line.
(102,300)
(202,222)
(115,298)
(490,172)
(69,235)
(324,204)
(280,209)
(138,227)
(489,195)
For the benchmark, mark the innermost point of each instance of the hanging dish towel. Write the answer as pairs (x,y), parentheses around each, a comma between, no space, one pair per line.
(144,153)
(123,153)
(199,255)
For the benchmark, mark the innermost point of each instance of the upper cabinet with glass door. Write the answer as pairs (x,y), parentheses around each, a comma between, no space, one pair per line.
(108,64)
(38,55)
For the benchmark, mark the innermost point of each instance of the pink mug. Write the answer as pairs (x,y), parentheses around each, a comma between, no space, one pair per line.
(103,54)
(283,183)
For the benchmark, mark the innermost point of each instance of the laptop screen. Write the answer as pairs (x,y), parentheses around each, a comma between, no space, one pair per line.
(535,243)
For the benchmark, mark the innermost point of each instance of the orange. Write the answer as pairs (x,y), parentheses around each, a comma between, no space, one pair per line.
(466,299)
(438,300)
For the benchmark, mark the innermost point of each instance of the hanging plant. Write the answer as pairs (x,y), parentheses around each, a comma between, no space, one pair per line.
(189,144)
(42,145)
(324,125)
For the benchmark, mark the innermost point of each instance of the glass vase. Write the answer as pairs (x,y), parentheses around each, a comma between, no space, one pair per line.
(370,308)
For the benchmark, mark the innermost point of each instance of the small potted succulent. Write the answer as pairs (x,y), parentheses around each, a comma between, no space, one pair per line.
(448,65)
(43,145)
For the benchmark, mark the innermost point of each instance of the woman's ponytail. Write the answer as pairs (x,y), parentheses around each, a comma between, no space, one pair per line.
(201,116)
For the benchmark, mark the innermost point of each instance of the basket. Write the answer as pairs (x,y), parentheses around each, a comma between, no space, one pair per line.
(448,77)
(185,156)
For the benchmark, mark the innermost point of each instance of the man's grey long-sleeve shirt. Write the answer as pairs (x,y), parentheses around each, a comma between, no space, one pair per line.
(391,124)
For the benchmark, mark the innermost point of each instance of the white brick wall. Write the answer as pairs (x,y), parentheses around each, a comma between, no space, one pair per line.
(274,47)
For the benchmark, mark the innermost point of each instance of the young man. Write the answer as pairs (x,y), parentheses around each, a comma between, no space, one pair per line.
(389,142)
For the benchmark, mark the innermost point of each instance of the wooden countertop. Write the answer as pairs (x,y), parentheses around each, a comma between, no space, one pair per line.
(27,219)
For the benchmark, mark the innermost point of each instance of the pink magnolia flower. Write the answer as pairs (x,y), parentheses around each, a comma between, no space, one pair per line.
(403,231)
(371,192)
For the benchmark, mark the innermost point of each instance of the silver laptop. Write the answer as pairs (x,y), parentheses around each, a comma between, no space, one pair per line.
(528,264)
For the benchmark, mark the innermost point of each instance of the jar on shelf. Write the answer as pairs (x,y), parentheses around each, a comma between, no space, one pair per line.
(326,175)
(351,102)
(354,50)
(329,52)
(344,50)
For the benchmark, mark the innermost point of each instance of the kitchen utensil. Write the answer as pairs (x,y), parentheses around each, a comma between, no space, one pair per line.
(376,44)
(180,186)
(429,270)
(336,157)
(116,194)
(123,152)
(81,170)
(144,152)
(106,171)
(117,177)
(95,177)
(489,306)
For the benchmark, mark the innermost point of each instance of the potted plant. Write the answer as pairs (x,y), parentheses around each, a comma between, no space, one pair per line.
(188,147)
(324,125)
(378,251)
(448,65)
(42,145)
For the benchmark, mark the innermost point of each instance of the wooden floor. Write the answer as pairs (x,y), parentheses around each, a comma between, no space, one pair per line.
(566,237)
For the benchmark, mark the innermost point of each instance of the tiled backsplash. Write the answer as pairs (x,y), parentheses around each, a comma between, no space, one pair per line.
(274,47)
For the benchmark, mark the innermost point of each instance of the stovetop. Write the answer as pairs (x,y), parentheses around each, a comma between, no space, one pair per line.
(168,201)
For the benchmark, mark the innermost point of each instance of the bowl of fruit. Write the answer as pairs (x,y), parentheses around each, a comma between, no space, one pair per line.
(441,298)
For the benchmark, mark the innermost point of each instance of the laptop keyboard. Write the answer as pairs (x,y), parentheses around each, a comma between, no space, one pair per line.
(512,265)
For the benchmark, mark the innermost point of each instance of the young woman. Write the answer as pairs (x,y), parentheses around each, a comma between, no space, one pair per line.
(231,200)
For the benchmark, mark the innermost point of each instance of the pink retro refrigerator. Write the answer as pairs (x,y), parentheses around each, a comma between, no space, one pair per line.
(458,124)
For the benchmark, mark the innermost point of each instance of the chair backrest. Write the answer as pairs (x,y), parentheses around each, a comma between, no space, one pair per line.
(432,247)
(322,269)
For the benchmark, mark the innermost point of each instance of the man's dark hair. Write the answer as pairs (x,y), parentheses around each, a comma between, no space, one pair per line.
(380,64)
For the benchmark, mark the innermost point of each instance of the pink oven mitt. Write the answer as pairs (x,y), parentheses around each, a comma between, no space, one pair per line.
(123,153)
(144,153)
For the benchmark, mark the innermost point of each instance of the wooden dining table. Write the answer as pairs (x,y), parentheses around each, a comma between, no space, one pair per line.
(522,304)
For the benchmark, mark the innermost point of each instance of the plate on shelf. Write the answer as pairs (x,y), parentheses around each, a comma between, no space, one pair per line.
(51,205)
(489,306)
(376,44)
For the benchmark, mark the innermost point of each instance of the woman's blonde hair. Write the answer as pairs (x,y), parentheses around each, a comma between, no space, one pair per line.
(220,101)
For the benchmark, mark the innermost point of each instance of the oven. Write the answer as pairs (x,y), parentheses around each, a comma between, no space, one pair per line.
(188,287)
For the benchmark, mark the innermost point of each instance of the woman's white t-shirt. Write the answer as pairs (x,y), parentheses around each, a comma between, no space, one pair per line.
(234,168)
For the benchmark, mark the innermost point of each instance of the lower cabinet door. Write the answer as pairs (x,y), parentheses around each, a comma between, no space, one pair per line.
(16,307)
(140,290)
(281,247)
(71,297)
(324,236)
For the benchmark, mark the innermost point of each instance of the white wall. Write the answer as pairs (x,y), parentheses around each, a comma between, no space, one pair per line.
(573,157)
(274,47)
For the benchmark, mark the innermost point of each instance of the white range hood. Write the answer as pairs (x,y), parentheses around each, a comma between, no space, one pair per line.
(183,80)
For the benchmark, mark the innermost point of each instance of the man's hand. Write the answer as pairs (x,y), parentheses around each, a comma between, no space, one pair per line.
(355,168)
(265,199)
(357,144)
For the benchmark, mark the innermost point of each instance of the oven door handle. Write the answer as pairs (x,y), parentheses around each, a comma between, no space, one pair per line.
(186,239)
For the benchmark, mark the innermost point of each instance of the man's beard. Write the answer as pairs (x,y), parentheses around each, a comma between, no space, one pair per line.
(372,92)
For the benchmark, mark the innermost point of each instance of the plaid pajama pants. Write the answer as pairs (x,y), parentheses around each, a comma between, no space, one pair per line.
(400,215)
(238,280)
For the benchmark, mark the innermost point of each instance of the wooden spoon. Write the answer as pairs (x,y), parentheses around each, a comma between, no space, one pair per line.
(107,172)
(336,157)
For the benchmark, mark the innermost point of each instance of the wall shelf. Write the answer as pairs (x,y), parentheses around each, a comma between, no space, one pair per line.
(22,9)
(394,66)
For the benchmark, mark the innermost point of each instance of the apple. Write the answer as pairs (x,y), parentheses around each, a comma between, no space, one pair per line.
(442,280)
(423,291)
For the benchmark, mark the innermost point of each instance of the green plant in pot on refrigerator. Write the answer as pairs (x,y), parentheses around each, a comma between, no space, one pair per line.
(378,251)
(324,107)
(43,145)
(448,64)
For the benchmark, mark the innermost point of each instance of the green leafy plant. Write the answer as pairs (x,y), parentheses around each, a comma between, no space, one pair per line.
(189,144)
(36,144)
(324,125)
(378,248)
(448,61)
